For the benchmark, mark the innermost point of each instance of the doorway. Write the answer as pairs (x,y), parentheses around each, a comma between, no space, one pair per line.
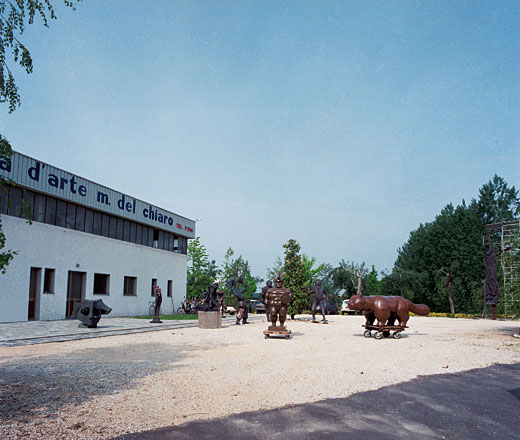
(75,290)
(33,312)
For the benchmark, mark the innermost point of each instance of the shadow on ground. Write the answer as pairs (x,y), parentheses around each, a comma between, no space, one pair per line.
(480,403)
(41,385)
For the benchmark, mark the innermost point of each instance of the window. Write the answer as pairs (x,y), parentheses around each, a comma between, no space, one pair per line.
(71,216)
(105,225)
(139,234)
(13,206)
(50,211)
(4,195)
(112,230)
(28,204)
(130,286)
(89,220)
(170,288)
(48,280)
(154,283)
(97,223)
(119,229)
(126,230)
(80,219)
(133,228)
(155,243)
(101,284)
(61,213)
(39,208)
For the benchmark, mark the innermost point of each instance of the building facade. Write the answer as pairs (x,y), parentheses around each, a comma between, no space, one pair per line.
(85,241)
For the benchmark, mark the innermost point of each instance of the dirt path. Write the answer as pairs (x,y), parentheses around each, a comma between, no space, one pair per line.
(100,388)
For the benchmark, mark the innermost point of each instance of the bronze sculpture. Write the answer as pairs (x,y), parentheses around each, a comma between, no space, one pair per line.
(210,299)
(157,305)
(242,312)
(268,285)
(320,295)
(278,298)
(387,310)
(89,312)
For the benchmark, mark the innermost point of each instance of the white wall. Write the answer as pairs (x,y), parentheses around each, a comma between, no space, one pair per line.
(45,246)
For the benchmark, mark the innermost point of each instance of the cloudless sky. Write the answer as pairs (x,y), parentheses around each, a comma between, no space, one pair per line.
(341,124)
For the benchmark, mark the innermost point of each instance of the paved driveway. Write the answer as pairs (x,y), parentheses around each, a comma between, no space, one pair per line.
(476,404)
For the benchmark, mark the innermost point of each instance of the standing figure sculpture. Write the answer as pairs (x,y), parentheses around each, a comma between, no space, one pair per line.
(157,306)
(278,298)
(220,295)
(319,298)
(242,313)
(268,285)
(492,291)
(210,298)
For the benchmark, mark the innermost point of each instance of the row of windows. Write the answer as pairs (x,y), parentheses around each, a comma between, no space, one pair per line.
(46,209)
(102,284)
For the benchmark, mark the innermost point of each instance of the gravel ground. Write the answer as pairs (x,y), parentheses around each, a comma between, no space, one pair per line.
(101,388)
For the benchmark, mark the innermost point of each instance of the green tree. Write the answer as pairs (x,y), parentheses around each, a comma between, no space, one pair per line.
(237,268)
(200,272)
(14,16)
(372,283)
(498,202)
(294,278)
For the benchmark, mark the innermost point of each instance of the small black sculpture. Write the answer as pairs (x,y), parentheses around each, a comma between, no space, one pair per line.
(319,298)
(242,312)
(210,299)
(268,285)
(157,305)
(89,312)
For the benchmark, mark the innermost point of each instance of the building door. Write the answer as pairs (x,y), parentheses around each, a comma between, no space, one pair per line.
(75,290)
(33,311)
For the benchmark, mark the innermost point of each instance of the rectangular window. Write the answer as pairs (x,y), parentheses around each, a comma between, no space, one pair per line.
(130,286)
(15,197)
(170,288)
(146,230)
(155,242)
(28,204)
(80,219)
(97,223)
(105,225)
(61,213)
(50,211)
(89,220)
(101,284)
(139,234)
(133,228)
(112,230)
(71,216)
(48,280)
(170,242)
(4,195)
(39,208)
(154,283)
(119,232)
(126,230)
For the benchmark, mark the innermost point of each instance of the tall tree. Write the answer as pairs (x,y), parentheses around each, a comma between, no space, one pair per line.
(200,274)
(498,202)
(372,283)
(294,278)
(14,16)
(237,268)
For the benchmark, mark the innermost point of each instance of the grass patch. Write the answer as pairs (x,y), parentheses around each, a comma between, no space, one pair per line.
(170,317)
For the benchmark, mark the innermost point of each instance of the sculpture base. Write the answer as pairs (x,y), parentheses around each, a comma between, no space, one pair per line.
(155,321)
(81,325)
(210,320)
(277,331)
(320,322)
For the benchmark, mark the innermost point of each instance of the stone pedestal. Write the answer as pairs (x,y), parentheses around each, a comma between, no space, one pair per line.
(210,319)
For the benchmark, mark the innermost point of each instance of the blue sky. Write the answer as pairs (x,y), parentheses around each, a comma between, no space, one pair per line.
(341,124)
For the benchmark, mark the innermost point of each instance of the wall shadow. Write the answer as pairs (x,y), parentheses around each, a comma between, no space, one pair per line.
(479,403)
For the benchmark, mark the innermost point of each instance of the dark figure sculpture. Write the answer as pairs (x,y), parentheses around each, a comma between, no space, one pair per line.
(492,291)
(89,312)
(278,298)
(157,306)
(268,285)
(210,299)
(220,295)
(319,298)
(242,312)
(386,309)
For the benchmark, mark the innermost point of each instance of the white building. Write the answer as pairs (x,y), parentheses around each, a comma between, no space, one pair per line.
(86,241)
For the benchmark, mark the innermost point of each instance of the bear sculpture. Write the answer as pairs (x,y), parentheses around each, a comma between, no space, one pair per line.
(386,309)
